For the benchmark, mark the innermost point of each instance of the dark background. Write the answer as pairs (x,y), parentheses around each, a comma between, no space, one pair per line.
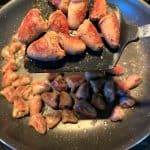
(144,145)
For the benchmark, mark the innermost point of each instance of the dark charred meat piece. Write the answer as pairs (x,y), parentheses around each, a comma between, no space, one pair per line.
(65,100)
(90,36)
(72,44)
(98,101)
(38,122)
(133,81)
(35,104)
(40,87)
(74,81)
(76,12)
(117,70)
(93,75)
(85,109)
(58,22)
(97,85)
(121,93)
(99,10)
(109,91)
(117,114)
(20,108)
(50,98)
(61,4)
(53,119)
(59,84)
(22,80)
(68,116)
(52,76)
(110,28)
(8,78)
(9,93)
(46,48)
(32,26)
(83,91)
(126,102)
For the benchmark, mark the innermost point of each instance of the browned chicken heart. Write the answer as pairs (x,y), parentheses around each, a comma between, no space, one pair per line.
(72,44)
(46,48)
(89,34)
(99,10)
(110,28)
(76,12)
(58,22)
(32,26)
(61,4)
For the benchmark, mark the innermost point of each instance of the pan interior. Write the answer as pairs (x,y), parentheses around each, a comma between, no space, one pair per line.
(88,134)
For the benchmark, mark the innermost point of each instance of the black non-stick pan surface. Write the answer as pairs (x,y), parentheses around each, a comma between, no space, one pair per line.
(98,134)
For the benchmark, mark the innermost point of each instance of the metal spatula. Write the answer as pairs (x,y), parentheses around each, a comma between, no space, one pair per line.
(91,61)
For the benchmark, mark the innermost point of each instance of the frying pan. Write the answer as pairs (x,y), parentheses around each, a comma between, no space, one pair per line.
(87,134)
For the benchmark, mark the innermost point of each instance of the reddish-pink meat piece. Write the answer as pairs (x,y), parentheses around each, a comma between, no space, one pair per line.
(58,22)
(133,81)
(46,48)
(38,122)
(99,9)
(76,12)
(110,28)
(61,4)
(32,26)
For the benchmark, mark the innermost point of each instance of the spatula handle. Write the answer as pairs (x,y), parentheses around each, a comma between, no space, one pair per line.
(144,31)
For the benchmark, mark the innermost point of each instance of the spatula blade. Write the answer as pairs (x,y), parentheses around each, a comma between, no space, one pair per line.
(89,61)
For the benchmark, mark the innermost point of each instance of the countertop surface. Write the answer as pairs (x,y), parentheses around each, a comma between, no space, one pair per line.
(142,145)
